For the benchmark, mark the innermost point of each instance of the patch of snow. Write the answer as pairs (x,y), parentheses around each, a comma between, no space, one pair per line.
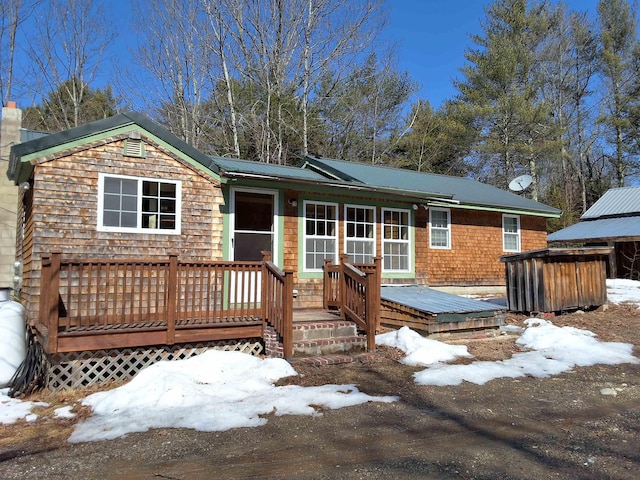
(554,350)
(214,391)
(13,409)
(64,412)
(620,290)
(421,351)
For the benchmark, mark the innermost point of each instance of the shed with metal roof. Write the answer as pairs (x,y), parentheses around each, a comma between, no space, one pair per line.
(614,220)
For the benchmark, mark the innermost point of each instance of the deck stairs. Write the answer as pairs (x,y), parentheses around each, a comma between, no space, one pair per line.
(319,333)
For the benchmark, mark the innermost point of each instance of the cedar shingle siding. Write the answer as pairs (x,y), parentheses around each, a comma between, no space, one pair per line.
(65,204)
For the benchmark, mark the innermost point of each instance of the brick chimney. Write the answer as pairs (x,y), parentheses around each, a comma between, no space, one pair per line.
(9,135)
(9,132)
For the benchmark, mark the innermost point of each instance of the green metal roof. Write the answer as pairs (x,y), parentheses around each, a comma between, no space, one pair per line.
(303,177)
(19,167)
(246,168)
(463,190)
(326,173)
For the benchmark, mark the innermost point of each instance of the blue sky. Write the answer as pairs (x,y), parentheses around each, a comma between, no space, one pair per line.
(432,36)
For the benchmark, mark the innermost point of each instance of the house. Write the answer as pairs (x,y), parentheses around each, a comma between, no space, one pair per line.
(614,221)
(124,188)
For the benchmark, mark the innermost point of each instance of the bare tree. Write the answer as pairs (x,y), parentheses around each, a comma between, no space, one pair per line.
(12,14)
(335,33)
(568,65)
(250,76)
(66,50)
(175,76)
(216,16)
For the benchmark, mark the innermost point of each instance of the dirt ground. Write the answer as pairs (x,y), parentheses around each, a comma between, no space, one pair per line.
(560,427)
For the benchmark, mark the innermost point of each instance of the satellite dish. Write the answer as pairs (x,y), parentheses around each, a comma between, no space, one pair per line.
(520,184)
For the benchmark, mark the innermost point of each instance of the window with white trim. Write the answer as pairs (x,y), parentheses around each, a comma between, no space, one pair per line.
(360,233)
(138,205)
(320,234)
(440,227)
(396,240)
(511,233)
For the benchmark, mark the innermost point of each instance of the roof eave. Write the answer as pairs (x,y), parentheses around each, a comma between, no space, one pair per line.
(509,209)
(319,166)
(17,173)
(415,196)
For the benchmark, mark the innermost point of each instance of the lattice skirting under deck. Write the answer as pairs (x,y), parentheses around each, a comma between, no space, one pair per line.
(80,369)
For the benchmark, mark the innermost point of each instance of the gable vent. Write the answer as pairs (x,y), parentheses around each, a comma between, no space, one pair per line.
(133,147)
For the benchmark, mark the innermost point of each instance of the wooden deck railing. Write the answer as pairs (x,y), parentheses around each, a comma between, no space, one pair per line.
(355,291)
(169,297)
(277,288)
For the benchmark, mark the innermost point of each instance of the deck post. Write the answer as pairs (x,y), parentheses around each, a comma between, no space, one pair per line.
(172,291)
(326,284)
(266,296)
(45,281)
(53,293)
(377,261)
(344,258)
(287,315)
(371,308)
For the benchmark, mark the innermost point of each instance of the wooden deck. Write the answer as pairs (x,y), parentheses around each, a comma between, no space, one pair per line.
(101,304)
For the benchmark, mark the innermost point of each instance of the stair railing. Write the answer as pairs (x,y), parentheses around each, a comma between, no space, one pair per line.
(355,291)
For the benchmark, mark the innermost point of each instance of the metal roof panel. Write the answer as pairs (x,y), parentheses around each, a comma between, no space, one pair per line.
(27,135)
(231,165)
(598,229)
(615,201)
(433,301)
(462,189)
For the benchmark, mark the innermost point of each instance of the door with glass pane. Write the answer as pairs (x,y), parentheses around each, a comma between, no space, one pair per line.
(254,231)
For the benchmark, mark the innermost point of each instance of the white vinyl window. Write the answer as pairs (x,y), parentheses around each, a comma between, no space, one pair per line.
(396,240)
(138,205)
(440,227)
(320,234)
(360,233)
(511,233)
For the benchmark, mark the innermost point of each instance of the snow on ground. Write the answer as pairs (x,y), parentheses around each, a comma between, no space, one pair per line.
(214,391)
(421,350)
(620,290)
(218,391)
(12,409)
(553,350)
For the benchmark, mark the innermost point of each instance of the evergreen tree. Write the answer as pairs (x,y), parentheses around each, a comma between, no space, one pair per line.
(59,111)
(437,140)
(500,92)
(362,112)
(620,69)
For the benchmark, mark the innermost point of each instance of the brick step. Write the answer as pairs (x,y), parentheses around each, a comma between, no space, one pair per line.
(338,359)
(325,329)
(327,346)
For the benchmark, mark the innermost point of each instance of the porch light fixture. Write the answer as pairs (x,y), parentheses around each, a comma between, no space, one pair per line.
(414,206)
(293,202)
